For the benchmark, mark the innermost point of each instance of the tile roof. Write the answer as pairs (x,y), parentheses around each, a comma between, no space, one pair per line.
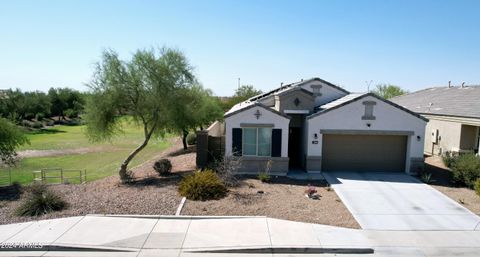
(449,101)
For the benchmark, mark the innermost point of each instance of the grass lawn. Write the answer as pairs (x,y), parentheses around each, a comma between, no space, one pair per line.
(98,164)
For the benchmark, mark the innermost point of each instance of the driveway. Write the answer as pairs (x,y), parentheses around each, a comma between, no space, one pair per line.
(395,201)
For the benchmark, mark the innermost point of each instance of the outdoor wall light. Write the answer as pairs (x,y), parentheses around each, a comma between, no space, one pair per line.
(315,136)
(418,138)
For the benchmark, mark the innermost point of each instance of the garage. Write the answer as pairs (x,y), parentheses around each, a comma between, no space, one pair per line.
(385,153)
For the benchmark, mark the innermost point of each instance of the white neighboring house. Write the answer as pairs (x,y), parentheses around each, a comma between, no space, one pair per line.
(454,117)
(315,126)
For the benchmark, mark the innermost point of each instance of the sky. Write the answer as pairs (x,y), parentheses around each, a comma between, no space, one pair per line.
(412,44)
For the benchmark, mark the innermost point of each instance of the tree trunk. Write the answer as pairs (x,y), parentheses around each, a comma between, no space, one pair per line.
(184,139)
(124,176)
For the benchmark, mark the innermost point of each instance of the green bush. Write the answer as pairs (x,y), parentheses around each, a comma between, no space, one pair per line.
(192,139)
(477,186)
(202,185)
(264,177)
(466,169)
(163,166)
(40,200)
(449,158)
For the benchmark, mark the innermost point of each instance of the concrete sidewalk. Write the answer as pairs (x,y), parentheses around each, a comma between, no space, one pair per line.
(222,236)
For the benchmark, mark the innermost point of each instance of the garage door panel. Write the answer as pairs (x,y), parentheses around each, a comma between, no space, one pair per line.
(363,153)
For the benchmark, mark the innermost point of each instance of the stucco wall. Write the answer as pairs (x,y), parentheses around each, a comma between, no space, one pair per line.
(387,118)
(327,92)
(449,136)
(287,101)
(248,116)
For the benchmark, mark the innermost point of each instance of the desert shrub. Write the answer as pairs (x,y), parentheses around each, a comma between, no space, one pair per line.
(226,169)
(466,169)
(426,177)
(163,166)
(449,158)
(40,200)
(264,177)
(192,139)
(202,185)
(477,186)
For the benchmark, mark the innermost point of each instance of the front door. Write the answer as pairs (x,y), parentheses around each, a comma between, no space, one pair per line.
(294,145)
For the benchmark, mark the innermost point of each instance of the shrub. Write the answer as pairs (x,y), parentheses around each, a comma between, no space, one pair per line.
(466,169)
(426,177)
(163,166)
(40,200)
(449,158)
(477,186)
(264,177)
(192,139)
(202,185)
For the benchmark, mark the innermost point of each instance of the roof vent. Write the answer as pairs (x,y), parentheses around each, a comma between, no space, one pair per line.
(463,84)
(449,84)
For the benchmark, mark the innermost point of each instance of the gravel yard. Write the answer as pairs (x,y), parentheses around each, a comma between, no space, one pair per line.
(150,195)
(281,198)
(442,178)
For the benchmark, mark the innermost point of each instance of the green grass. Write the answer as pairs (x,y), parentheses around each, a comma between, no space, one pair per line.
(97,164)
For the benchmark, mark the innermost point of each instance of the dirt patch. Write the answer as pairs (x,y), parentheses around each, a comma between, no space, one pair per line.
(282,198)
(150,195)
(48,153)
(442,181)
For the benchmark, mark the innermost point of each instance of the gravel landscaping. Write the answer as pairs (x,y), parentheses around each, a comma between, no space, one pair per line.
(442,181)
(151,194)
(281,198)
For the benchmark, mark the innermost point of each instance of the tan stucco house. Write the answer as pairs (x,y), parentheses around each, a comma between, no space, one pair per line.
(314,126)
(454,117)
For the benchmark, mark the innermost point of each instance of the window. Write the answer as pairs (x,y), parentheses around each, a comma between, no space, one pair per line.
(368,115)
(257,141)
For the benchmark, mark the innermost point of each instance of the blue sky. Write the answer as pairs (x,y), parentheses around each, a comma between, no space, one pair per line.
(413,44)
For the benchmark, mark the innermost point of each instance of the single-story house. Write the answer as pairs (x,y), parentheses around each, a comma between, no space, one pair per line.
(314,126)
(454,117)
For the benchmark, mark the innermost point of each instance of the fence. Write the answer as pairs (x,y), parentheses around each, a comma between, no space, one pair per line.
(210,144)
(60,176)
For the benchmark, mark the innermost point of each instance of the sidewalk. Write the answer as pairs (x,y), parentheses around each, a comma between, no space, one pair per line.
(223,236)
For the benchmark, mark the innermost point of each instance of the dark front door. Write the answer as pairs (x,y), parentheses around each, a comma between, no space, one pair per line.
(294,145)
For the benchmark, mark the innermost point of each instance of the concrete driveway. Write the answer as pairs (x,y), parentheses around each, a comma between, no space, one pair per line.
(395,201)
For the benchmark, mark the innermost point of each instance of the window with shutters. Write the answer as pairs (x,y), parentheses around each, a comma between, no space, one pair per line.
(257,141)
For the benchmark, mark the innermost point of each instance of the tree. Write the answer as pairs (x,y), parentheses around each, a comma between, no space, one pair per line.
(66,102)
(242,93)
(194,107)
(10,139)
(388,91)
(141,87)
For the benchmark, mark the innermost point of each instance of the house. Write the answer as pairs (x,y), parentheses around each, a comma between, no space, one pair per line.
(454,117)
(315,126)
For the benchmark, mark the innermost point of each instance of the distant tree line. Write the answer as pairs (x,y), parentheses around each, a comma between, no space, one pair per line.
(61,103)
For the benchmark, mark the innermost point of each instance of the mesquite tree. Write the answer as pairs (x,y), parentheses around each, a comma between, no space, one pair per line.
(141,88)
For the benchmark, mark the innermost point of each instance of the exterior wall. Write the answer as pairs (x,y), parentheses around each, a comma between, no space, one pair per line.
(287,101)
(327,92)
(448,136)
(252,164)
(349,117)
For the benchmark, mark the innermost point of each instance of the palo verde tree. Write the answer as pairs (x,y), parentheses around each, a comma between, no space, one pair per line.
(141,88)
(10,138)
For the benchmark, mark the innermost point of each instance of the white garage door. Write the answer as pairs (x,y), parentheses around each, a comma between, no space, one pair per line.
(364,153)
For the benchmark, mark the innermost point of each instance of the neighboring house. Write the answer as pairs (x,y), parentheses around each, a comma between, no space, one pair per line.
(315,126)
(454,114)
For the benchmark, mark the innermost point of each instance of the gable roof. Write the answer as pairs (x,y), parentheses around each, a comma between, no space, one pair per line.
(248,105)
(350,98)
(296,84)
(448,101)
